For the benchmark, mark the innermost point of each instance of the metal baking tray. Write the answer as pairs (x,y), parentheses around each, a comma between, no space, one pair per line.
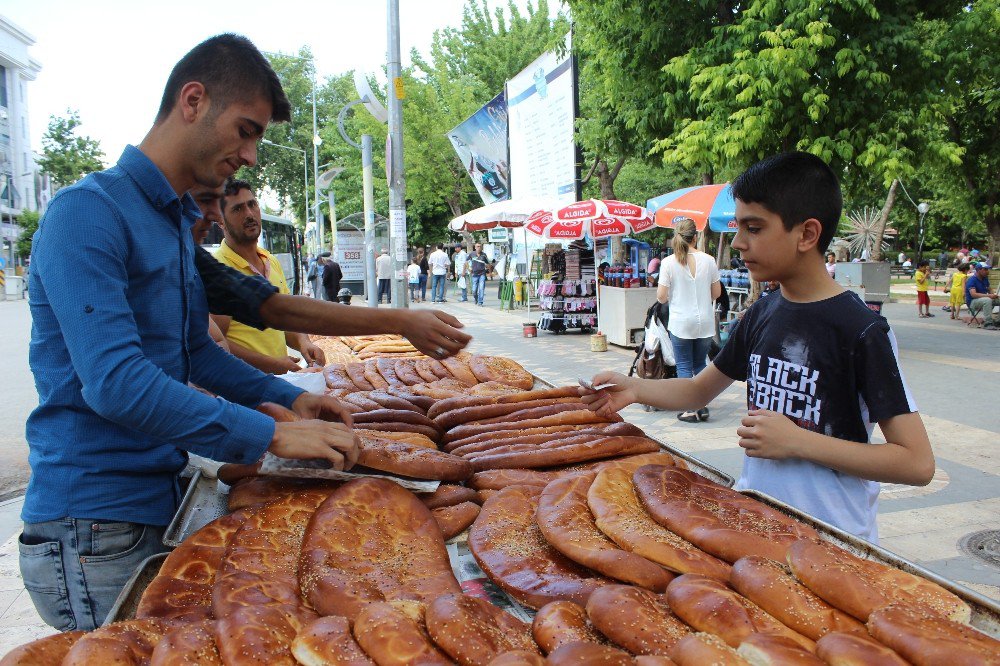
(985,611)
(202,503)
(128,599)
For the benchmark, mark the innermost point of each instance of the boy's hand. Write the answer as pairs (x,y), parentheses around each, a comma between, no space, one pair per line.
(608,401)
(767,434)
(324,407)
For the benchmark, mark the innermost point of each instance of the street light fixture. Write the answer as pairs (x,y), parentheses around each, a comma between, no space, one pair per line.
(305,170)
(325,182)
(922,208)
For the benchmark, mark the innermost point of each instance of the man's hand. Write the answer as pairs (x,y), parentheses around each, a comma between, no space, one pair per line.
(312,440)
(767,434)
(286,364)
(435,333)
(311,353)
(608,401)
(325,407)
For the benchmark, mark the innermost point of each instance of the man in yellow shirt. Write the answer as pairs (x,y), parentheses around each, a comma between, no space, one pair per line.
(241,224)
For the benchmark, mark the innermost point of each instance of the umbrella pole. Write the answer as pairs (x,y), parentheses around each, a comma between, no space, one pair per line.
(597,285)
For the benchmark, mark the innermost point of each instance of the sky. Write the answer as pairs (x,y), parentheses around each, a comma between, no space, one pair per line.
(109,59)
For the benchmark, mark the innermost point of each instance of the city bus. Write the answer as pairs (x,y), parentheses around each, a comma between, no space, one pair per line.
(279,237)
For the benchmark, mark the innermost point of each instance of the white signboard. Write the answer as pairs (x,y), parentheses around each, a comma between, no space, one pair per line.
(540,130)
(397,225)
(350,254)
(498,235)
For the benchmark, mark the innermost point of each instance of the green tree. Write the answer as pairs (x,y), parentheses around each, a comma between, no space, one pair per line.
(28,221)
(67,157)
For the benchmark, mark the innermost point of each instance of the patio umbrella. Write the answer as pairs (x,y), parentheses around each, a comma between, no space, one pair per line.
(510,214)
(597,218)
(708,205)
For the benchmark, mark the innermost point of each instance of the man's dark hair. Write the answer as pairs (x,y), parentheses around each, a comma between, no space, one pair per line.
(232,188)
(795,186)
(232,70)
(440,246)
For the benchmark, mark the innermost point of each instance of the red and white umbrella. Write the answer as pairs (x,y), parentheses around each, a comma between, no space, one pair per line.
(597,218)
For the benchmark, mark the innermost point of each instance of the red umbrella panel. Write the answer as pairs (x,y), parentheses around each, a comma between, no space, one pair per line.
(594,217)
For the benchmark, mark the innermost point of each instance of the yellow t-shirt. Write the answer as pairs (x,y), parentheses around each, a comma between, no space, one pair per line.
(270,342)
(921,279)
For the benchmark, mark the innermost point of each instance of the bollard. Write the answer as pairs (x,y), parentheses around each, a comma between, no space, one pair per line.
(598,342)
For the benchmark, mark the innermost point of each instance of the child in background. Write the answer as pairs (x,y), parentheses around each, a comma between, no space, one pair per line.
(821,369)
(957,295)
(413,279)
(922,277)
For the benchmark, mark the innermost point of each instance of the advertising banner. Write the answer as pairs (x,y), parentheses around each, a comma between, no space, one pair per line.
(350,253)
(540,104)
(481,144)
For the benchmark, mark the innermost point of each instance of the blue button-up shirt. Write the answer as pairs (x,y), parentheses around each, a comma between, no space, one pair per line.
(120,326)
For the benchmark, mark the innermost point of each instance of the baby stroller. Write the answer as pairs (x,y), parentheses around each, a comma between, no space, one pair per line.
(654,356)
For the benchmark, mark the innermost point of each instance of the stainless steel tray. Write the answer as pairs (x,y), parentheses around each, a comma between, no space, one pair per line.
(202,503)
(985,611)
(128,599)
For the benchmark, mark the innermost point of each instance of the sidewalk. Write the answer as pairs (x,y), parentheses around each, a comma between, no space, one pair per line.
(949,368)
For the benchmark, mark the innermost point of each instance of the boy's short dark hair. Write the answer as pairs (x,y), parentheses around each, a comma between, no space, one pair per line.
(232,69)
(923,262)
(232,188)
(796,186)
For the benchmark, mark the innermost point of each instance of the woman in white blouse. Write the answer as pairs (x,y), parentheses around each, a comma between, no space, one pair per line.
(689,282)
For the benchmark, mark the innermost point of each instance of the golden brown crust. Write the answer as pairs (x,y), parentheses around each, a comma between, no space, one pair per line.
(44,651)
(501,369)
(518,658)
(371,541)
(398,426)
(453,520)
(472,631)
(253,635)
(405,369)
(381,415)
(498,479)
(510,549)
(497,411)
(568,525)
(336,377)
(523,396)
(708,605)
(927,639)
(430,370)
(373,376)
(186,644)
(328,642)
(580,652)
(393,401)
(653,660)
(618,513)
(391,637)
(701,649)
(412,461)
(522,432)
(447,495)
(414,438)
(771,650)
(635,619)
(501,442)
(361,400)
(356,373)
(771,586)
(260,490)
(387,368)
(837,649)
(600,448)
(459,369)
(858,586)
(560,622)
(718,520)
(575,417)
(128,642)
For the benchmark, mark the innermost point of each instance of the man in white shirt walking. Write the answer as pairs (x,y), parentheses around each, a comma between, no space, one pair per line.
(461,270)
(439,263)
(383,273)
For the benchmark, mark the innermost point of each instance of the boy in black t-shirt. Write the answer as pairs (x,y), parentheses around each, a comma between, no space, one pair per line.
(821,368)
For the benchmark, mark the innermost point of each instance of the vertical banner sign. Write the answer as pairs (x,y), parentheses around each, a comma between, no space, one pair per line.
(350,254)
(540,103)
(397,224)
(481,144)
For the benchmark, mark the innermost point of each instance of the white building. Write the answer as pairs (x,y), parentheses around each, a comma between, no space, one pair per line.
(18,172)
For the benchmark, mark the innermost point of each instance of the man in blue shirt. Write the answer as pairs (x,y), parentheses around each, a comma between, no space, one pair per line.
(120,328)
(979,297)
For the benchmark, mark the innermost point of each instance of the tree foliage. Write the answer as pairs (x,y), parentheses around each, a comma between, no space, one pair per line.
(67,157)
(28,221)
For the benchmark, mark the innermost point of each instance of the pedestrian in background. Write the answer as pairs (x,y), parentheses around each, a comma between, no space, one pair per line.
(957,293)
(831,264)
(689,282)
(332,275)
(479,265)
(922,277)
(424,272)
(413,279)
(461,268)
(383,273)
(439,263)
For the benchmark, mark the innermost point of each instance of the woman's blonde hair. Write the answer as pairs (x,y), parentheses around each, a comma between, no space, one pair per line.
(684,235)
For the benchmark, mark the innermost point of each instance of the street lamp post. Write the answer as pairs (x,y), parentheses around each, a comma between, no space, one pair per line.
(305,172)
(325,181)
(922,208)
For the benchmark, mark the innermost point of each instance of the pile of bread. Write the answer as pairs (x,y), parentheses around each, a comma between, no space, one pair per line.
(627,556)
(348,348)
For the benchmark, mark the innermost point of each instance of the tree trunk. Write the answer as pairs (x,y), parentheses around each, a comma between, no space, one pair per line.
(890,201)
(993,227)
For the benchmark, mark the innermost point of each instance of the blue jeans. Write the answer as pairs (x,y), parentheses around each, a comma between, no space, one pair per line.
(423,286)
(479,288)
(437,287)
(691,355)
(74,568)
(414,288)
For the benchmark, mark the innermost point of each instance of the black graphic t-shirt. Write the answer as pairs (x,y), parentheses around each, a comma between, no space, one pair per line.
(832,367)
